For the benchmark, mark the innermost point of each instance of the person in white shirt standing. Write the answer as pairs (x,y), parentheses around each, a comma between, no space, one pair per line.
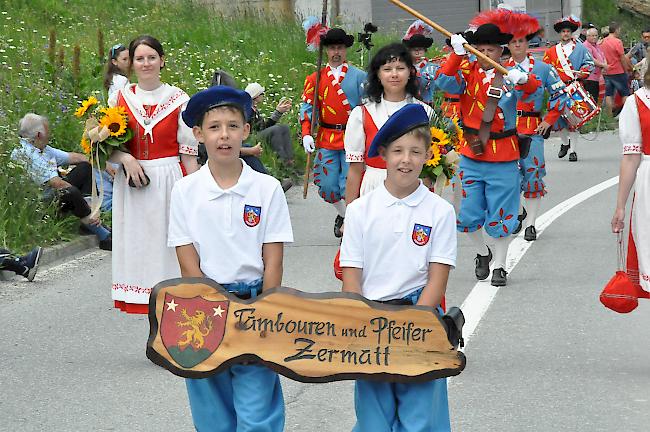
(117,70)
(399,245)
(229,223)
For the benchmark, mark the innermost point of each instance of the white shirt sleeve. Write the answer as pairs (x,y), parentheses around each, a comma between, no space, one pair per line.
(278,228)
(187,144)
(354,139)
(178,234)
(352,244)
(118,83)
(443,238)
(629,127)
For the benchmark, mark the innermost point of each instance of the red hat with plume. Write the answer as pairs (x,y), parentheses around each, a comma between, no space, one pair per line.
(518,24)
(417,35)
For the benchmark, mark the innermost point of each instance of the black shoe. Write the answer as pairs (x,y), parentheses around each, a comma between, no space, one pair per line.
(573,157)
(338,223)
(499,277)
(482,262)
(287,183)
(530,234)
(564,149)
(30,262)
(521,219)
(107,243)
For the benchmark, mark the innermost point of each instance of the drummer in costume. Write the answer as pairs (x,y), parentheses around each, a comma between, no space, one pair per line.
(524,27)
(391,85)
(340,90)
(417,41)
(489,147)
(162,150)
(573,62)
(634,131)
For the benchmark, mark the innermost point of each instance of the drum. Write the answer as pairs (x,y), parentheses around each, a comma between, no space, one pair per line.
(583,108)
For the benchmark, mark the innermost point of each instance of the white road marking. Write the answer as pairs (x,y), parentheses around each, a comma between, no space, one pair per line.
(479,299)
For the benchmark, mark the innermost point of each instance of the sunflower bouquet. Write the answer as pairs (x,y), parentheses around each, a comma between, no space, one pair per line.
(105,129)
(442,166)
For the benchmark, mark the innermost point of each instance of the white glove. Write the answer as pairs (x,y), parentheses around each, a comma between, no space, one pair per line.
(308,143)
(515,76)
(457,42)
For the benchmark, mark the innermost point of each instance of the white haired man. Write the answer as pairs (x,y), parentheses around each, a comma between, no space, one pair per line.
(42,162)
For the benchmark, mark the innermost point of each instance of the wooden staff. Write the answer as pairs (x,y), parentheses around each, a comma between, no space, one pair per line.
(447,33)
(314,108)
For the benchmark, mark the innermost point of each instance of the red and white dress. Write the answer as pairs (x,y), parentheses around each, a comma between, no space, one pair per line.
(141,257)
(365,120)
(634,131)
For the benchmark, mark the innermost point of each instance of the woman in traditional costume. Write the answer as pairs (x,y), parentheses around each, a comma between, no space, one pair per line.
(392,83)
(162,150)
(634,132)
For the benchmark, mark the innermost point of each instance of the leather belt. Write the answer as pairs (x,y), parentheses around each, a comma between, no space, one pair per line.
(493,135)
(521,113)
(450,99)
(398,302)
(338,127)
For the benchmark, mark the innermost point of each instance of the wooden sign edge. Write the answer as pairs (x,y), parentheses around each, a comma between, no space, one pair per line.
(161,361)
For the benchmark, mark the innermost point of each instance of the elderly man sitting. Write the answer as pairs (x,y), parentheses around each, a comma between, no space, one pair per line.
(42,162)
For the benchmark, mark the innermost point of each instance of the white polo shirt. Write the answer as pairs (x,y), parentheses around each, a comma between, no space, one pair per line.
(394,240)
(228,227)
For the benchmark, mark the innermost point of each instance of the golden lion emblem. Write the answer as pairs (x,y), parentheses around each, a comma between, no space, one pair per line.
(200,328)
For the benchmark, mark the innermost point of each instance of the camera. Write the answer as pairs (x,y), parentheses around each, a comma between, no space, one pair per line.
(365,38)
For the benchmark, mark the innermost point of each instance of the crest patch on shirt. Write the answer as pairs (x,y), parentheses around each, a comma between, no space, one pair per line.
(252,215)
(421,234)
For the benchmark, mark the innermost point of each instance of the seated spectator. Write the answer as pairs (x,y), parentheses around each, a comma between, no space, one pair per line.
(42,162)
(278,136)
(117,70)
(25,266)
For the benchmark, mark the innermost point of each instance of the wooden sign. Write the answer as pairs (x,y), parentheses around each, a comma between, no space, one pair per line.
(198,329)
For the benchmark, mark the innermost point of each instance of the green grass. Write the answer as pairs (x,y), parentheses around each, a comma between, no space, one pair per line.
(602,12)
(269,50)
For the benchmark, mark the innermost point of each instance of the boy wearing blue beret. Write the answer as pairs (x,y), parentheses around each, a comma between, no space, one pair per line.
(229,223)
(399,244)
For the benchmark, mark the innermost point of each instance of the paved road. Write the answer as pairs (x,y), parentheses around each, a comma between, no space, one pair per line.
(546,356)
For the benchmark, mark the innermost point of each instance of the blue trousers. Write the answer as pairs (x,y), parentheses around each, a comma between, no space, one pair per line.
(330,174)
(491,193)
(244,398)
(533,169)
(397,407)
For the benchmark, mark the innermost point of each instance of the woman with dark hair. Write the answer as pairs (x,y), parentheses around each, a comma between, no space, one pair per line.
(117,69)
(392,83)
(162,150)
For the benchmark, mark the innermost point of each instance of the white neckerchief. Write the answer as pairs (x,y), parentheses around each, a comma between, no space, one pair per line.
(170,98)
(526,65)
(489,75)
(337,70)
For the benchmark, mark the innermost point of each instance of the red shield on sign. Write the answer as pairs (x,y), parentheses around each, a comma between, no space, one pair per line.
(192,329)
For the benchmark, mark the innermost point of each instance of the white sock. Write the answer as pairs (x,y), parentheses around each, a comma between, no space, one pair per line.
(532,207)
(340,207)
(500,252)
(477,240)
(564,136)
(573,141)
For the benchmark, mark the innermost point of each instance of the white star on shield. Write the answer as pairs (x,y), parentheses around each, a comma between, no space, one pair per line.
(218,311)
(171,305)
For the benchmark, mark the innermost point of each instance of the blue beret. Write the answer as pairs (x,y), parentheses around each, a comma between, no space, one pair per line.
(213,97)
(404,120)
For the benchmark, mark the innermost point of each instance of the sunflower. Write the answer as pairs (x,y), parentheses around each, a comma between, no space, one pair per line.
(435,156)
(92,100)
(439,137)
(459,133)
(85,144)
(114,119)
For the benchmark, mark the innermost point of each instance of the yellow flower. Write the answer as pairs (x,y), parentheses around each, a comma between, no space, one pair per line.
(459,133)
(92,100)
(85,145)
(114,119)
(435,156)
(439,137)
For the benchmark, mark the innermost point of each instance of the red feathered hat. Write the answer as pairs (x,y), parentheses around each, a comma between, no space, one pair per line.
(518,24)
(571,22)
(314,32)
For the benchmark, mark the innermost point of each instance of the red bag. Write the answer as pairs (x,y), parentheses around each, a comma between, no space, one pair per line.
(338,272)
(620,294)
